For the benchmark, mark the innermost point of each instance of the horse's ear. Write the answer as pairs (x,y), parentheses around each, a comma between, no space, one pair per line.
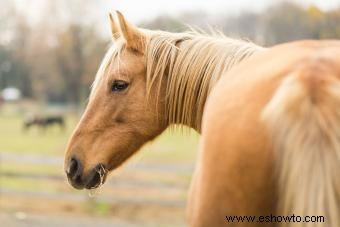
(114,28)
(133,37)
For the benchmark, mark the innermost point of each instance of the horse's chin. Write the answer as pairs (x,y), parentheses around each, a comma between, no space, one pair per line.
(95,187)
(119,159)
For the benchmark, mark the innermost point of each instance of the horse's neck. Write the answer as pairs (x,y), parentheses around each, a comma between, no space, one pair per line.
(193,66)
(196,73)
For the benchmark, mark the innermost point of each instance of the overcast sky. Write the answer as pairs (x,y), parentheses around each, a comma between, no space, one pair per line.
(139,10)
(143,9)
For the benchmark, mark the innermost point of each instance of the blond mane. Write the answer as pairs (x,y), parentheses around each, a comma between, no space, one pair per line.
(190,64)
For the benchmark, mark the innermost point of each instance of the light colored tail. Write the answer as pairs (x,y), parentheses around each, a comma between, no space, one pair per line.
(303,118)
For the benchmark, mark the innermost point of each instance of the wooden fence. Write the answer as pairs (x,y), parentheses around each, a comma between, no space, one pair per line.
(169,180)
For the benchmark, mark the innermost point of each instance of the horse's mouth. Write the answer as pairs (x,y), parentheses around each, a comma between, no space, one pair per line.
(93,180)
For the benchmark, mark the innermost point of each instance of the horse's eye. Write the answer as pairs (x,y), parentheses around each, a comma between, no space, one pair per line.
(119,85)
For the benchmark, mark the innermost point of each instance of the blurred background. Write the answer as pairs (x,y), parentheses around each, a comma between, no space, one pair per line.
(49,54)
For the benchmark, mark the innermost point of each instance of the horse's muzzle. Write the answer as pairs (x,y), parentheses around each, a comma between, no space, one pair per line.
(94,179)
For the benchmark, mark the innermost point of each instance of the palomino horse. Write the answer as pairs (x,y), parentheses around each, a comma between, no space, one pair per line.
(270,145)
(269,139)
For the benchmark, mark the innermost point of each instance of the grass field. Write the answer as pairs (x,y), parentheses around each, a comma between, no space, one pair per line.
(170,149)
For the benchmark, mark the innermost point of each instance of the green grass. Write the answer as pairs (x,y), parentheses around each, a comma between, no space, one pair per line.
(96,207)
(169,147)
(31,168)
(14,139)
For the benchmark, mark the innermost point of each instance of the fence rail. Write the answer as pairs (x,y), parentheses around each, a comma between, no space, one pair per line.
(137,184)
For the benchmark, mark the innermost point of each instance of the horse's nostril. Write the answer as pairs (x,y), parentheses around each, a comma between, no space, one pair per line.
(74,170)
(93,181)
(73,166)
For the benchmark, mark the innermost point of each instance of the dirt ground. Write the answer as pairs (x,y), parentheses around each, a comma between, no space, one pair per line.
(21,219)
(18,211)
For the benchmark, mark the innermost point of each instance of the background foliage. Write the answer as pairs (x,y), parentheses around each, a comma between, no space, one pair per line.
(54,63)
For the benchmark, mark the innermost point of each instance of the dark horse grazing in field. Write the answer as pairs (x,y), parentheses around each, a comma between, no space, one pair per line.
(44,122)
(270,129)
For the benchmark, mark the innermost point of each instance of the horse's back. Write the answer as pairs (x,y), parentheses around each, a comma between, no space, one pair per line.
(236,163)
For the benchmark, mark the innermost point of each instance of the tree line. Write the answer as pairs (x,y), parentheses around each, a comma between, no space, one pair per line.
(58,65)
